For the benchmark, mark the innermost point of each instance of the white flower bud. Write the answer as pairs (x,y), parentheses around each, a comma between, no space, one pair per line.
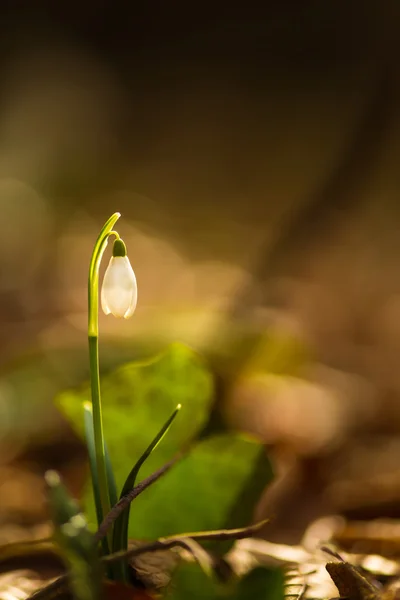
(119,290)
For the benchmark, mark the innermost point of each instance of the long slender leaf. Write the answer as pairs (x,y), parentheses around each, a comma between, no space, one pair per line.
(120,537)
(89,431)
(112,486)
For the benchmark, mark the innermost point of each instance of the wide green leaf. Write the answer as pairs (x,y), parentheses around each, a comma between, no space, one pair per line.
(137,400)
(190,581)
(217,485)
(261,584)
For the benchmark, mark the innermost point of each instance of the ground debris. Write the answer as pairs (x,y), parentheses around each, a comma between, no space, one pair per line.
(318,568)
(19,585)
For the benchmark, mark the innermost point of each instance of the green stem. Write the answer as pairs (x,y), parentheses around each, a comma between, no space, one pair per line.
(102,498)
(93,288)
(98,427)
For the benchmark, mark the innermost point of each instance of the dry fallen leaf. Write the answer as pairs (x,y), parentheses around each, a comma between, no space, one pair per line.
(19,585)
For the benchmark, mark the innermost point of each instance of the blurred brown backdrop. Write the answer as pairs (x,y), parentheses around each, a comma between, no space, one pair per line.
(253,153)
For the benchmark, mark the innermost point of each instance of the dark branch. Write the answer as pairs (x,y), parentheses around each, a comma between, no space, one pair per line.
(179,540)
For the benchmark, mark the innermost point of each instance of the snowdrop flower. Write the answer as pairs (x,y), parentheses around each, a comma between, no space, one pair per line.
(119,290)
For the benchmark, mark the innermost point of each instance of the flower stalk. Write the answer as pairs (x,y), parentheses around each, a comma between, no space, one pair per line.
(102,497)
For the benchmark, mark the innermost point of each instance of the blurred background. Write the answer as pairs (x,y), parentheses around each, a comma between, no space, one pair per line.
(254,156)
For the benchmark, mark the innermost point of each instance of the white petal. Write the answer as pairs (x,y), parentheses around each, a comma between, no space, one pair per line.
(119,290)
(132,306)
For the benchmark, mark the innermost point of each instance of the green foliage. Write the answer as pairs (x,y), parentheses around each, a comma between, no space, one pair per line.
(260,584)
(137,400)
(190,581)
(215,486)
(210,488)
(89,433)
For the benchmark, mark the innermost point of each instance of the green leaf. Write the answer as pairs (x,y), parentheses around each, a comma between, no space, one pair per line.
(261,584)
(216,486)
(89,431)
(137,399)
(190,581)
